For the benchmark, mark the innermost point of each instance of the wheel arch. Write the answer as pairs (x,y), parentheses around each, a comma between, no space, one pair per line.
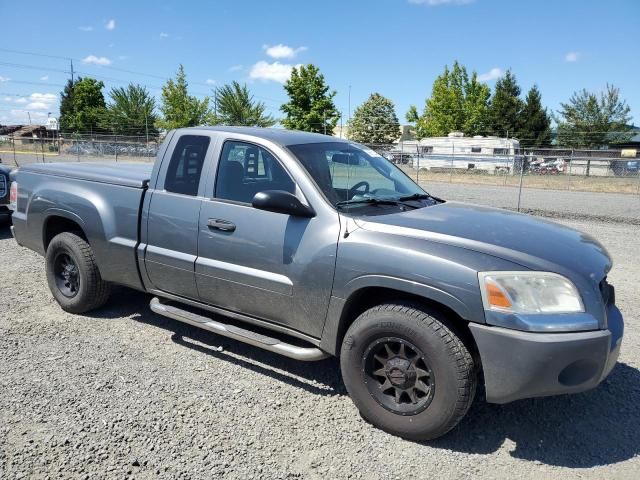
(60,221)
(343,312)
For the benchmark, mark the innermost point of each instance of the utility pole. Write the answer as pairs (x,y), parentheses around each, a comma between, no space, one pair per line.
(29,114)
(146,127)
(349,102)
(72,77)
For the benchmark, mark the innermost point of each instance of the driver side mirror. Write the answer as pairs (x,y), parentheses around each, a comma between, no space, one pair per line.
(279,201)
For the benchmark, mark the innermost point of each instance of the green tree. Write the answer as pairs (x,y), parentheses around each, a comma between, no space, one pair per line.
(592,121)
(375,121)
(476,106)
(506,107)
(457,103)
(535,123)
(178,108)
(310,107)
(131,111)
(235,106)
(82,107)
(66,105)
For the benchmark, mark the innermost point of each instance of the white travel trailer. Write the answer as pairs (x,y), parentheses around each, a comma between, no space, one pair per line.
(455,151)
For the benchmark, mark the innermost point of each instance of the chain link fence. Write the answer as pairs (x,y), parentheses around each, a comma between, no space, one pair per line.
(77,148)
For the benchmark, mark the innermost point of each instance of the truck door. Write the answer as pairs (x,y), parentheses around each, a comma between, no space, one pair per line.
(173,212)
(267,265)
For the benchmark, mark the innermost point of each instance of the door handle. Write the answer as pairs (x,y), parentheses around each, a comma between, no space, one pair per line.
(219,224)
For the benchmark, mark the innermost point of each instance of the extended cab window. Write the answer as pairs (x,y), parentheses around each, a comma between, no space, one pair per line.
(185,167)
(247,169)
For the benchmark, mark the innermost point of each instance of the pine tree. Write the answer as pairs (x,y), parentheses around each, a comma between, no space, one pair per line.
(590,121)
(131,111)
(235,106)
(375,121)
(310,107)
(505,107)
(535,123)
(66,105)
(179,109)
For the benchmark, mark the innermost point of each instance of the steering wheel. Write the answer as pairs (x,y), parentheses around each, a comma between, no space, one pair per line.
(353,190)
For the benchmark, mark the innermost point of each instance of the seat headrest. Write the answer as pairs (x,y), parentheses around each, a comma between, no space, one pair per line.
(233,169)
(343,158)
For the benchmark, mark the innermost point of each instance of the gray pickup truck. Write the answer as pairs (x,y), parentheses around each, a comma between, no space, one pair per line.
(309,246)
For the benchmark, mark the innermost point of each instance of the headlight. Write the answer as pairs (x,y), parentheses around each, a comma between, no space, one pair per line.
(529,292)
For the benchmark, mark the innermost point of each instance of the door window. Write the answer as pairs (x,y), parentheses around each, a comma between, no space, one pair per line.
(245,169)
(185,167)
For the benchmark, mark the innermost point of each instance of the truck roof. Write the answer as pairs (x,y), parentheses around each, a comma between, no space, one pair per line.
(276,135)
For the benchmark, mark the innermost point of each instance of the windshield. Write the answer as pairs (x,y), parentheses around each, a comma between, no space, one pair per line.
(350,174)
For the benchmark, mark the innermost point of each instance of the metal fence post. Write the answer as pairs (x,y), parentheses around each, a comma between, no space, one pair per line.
(570,166)
(520,186)
(42,148)
(418,160)
(13,143)
(453,154)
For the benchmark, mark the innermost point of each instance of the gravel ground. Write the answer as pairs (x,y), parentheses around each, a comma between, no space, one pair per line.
(126,393)
(595,206)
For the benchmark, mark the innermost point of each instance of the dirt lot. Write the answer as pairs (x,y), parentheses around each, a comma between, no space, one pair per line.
(126,393)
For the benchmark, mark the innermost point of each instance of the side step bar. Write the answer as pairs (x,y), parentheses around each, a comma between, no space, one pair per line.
(247,336)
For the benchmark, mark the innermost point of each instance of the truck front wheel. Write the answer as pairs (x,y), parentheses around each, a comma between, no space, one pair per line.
(407,372)
(73,276)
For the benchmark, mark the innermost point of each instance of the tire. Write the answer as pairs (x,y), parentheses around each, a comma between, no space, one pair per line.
(421,413)
(83,289)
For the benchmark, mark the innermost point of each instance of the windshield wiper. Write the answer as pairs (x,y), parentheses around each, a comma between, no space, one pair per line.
(419,196)
(369,201)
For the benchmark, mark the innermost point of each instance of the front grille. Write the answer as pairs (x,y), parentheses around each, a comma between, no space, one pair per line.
(3,186)
(608,292)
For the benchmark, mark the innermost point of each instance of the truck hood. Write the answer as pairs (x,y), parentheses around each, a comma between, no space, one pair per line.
(531,242)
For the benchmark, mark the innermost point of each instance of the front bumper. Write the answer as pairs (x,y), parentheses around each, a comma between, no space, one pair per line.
(520,364)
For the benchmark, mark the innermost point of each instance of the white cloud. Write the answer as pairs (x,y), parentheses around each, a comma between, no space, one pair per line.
(21,100)
(436,3)
(18,116)
(210,81)
(37,106)
(572,57)
(86,28)
(235,68)
(282,51)
(164,35)
(41,101)
(492,74)
(276,71)
(44,78)
(110,25)
(93,60)
(4,79)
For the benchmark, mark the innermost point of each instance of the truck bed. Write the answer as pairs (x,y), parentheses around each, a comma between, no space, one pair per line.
(126,174)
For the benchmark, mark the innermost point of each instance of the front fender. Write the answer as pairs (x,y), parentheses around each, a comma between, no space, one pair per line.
(428,292)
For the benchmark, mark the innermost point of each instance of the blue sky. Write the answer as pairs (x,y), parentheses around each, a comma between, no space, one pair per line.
(394,47)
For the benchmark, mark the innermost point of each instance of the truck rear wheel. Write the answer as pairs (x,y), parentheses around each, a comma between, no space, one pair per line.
(407,373)
(73,276)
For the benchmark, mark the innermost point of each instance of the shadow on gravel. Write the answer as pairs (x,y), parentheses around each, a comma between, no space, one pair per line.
(595,428)
(5,231)
(319,378)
